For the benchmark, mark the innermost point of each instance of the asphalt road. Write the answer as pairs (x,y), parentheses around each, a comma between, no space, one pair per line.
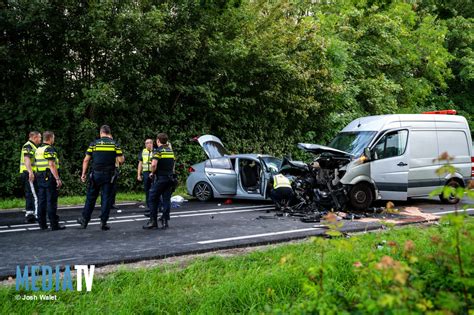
(194,227)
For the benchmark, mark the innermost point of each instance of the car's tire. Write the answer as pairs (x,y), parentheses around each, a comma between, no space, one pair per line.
(203,191)
(361,196)
(451,199)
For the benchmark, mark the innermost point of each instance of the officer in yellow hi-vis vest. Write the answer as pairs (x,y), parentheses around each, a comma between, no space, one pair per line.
(47,165)
(144,168)
(282,192)
(105,154)
(164,180)
(27,174)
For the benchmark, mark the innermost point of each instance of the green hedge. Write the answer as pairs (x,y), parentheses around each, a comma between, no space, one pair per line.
(262,76)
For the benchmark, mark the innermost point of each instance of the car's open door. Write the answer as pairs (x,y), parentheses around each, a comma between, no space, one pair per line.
(266,174)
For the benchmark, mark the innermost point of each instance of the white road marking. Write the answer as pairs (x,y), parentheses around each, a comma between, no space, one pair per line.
(12,230)
(255,236)
(452,211)
(65,259)
(177,215)
(217,212)
(133,218)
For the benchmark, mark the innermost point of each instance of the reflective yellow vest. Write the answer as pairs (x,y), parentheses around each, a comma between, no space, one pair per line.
(41,156)
(146,160)
(280,181)
(32,159)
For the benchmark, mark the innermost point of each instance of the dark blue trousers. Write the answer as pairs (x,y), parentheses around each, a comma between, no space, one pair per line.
(161,188)
(146,187)
(47,198)
(281,194)
(31,194)
(99,182)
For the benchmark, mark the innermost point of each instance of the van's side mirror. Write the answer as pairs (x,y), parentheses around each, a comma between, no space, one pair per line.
(368,154)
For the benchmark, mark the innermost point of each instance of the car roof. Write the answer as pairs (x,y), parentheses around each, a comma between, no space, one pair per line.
(249,156)
(380,122)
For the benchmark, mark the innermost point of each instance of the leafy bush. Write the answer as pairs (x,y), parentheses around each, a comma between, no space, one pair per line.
(261,75)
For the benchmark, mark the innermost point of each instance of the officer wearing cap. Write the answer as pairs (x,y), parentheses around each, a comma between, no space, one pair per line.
(47,164)
(27,174)
(162,172)
(144,168)
(105,154)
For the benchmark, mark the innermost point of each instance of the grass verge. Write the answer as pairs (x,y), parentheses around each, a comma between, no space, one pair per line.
(13,203)
(409,270)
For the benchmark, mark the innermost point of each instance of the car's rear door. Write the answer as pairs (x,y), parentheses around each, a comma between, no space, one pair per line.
(222,175)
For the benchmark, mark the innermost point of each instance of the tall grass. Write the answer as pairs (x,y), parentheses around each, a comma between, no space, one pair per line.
(274,280)
(13,203)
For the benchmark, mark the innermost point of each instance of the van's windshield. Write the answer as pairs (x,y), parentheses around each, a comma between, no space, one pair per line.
(352,142)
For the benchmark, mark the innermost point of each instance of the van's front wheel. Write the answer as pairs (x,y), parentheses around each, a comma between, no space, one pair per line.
(361,196)
(452,199)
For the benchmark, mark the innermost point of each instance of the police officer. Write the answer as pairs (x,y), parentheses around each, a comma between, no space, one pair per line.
(282,193)
(162,172)
(47,164)
(105,153)
(144,167)
(27,174)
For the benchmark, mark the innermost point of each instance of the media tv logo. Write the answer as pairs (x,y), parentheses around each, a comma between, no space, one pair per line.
(63,280)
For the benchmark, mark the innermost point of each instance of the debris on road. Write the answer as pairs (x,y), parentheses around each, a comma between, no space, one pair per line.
(178,199)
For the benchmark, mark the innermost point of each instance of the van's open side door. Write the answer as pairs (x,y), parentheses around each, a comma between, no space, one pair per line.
(390,164)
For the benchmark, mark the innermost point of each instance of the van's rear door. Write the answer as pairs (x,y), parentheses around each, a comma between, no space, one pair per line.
(390,165)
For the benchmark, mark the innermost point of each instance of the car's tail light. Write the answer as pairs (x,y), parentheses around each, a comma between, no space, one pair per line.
(191,169)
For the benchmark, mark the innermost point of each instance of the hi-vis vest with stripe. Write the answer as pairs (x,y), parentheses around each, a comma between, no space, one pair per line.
(166,159)
(24,151)
(280,181)
(146,160)
(42,156)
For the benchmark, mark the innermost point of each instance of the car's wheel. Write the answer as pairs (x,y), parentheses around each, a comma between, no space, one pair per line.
(203,191)
(452,198)
(361,196)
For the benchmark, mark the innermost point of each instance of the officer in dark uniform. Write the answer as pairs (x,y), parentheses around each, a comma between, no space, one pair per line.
(27,174)
(282,192)
(105,153)
(144,167)
(162,172)
(47,164)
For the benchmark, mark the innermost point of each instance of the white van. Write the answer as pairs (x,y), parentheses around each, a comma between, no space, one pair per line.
(400,153)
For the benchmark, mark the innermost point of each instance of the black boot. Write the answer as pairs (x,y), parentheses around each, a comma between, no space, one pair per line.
(83,222)
(30,218)
(55,227)
(43,226)
(164,223)
(104,226)
(151,224)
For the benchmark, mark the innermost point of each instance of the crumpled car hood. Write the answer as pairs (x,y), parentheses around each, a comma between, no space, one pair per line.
(319,149)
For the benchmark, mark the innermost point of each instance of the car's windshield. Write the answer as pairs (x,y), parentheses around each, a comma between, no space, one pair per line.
(273,164)
(214,149)
(352,142)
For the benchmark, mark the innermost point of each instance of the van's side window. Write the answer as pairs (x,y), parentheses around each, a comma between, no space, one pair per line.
(392,144)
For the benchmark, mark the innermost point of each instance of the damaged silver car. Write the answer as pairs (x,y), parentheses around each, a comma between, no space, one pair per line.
(223,175)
